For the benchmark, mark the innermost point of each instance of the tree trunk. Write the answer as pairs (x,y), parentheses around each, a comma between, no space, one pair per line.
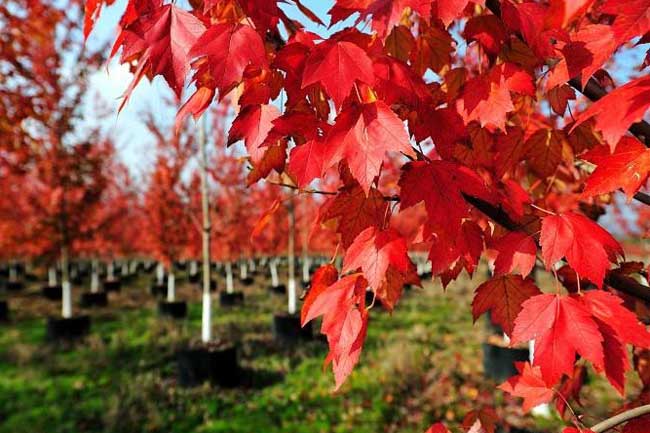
(160,273)
(66,302)
(171,286)
(291,286)
(110,271)
(51,276)
(273,266)
(243,269)
(229,284)
(206,310)
(94,277)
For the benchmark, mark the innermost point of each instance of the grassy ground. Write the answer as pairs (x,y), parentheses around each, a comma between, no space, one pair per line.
(420,365)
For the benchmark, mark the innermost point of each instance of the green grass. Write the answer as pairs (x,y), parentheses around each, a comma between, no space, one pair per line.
(420,365)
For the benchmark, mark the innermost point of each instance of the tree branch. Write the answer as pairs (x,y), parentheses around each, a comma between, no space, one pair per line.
(619,282)
(621,418)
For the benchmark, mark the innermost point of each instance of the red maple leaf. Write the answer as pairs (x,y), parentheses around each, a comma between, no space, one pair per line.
(345,321)
(587,247)
(616,111)
(306,161)
(486,98)
(440,185)
(516,251)
(503,297)
(632,18)
(376,252)
(561,327)
(161,41)
(253,125)
(529,385)
(224,52)
(337,65)
(627,168)
(354,211)
(362,136)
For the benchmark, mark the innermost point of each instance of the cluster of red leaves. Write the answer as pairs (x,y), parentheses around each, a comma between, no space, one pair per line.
(475,127)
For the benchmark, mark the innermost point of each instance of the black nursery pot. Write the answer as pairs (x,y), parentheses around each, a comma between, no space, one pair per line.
(4,311)
(53,293)
(14,286)
(231,299)
(175,310)
(499,362)
(158,289)
(219,366)
(247,281)
(280,289)
(112,285)
(287,329)
(90,299)
(73,328)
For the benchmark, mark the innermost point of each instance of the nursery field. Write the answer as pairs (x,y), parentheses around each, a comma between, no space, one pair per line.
(420,364)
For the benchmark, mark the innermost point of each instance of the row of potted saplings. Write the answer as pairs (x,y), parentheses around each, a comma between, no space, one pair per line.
(211,360)
(110,277)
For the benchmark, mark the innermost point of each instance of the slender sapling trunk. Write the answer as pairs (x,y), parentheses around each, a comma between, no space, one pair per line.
(243,269)
(206,309)
(94,277)
(273,266)
(160,274)
(229,284)
(51,276)
(110,271)
(171,286)
(291,286)
(66,301)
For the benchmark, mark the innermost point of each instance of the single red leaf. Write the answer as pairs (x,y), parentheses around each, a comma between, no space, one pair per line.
(354,211)
(561,327)
(265,219)
(362,136)
(632,18)
(516,252)
(609,308)
(336,65)
(587,247)
(615,112)
(162,42)
(627,168)
(503,296)
(374,251)
(529,385)
(306,161)
(224,51)
(253,124)
(325,276)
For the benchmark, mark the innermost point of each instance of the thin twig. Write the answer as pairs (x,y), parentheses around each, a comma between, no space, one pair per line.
(621,418)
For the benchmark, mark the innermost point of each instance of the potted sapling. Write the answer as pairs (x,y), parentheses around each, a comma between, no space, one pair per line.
(111,283)
(208,360)
(52,290)
(276,286)
(95,297)
(286,326)
(167,223)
